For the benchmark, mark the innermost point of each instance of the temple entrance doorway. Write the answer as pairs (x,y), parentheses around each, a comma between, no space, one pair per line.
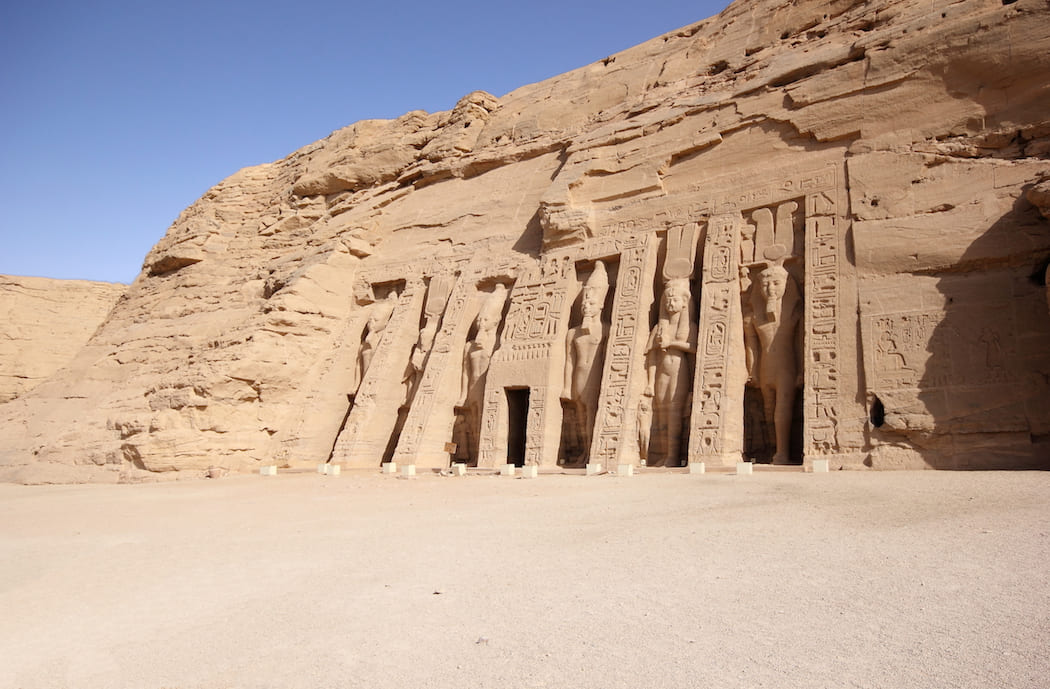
(517,424)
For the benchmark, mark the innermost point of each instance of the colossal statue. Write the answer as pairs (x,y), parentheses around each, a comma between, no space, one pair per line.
(770,336)
(437,296)
(583,360)
(476,358)
(378,317)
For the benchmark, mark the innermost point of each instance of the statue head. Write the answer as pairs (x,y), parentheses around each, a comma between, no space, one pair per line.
(594,291)
(773,281)
(773,285)
(380,314)
(676,295)
(492,308)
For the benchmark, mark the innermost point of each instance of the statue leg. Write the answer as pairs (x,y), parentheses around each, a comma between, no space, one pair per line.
(769,406)
(674,436)
(782,422)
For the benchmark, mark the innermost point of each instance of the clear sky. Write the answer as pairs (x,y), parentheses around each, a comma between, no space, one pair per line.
(115,116)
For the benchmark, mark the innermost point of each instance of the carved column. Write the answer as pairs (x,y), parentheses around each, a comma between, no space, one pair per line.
(834,419)
(430,420)
(615,438)
(717,423)
(374,415)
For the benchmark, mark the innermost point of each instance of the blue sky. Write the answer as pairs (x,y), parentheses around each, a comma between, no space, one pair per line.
(114,116)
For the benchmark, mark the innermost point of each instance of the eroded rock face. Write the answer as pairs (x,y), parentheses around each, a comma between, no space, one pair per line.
(44,323)
(888,159)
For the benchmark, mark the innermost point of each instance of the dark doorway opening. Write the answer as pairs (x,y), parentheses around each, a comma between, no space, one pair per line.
(517,424)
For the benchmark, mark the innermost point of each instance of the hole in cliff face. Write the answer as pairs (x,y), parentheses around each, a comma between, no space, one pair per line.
(878,412)
(1009,2)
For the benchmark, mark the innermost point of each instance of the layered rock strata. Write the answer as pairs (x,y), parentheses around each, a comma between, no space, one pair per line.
(819,227)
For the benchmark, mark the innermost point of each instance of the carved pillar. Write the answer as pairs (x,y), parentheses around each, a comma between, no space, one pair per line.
(374,415)
(615,438)
(430,420)
(717,431)
(834,418)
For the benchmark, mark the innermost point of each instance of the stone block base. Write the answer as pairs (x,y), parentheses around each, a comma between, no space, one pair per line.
(697,467)
(408,470)
(530,471)
(390,468)
(820,466)
(594,469)
(459,469)
(507,470)
(744,468)
(268,471)
(625,470)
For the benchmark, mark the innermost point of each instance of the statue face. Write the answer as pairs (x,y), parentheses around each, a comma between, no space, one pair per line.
(773,284)
(379,316)
(676,300)
(591,305)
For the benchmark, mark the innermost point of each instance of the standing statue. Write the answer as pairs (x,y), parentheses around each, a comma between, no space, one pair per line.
(476,358)
(437,297)
(770,336)
(583,359)
(378,318)
(670,345)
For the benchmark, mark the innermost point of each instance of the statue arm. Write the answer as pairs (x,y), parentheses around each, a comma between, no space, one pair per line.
(464,377)
(566,385)
(750,348)
(650,363)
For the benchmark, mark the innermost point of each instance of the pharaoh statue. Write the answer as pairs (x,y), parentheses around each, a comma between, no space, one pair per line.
(583,359)
(476,358)
(437,295)
(669,351)
(378,317)
(770,338)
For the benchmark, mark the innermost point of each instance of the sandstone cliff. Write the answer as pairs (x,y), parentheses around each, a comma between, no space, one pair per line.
(45,322)
(907,135)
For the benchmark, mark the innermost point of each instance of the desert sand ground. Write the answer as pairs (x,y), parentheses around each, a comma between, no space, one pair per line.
(903,579)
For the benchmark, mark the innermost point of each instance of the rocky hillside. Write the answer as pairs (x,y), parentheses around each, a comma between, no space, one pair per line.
(44,323)
(236,345)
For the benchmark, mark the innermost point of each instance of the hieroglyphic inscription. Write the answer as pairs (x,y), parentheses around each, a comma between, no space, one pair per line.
(535,426)
(822,398)
(489,428)
(720,287)
(620,363)
(534,316)
(919,350)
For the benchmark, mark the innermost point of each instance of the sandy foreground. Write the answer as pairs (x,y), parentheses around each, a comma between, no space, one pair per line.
(903,579)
